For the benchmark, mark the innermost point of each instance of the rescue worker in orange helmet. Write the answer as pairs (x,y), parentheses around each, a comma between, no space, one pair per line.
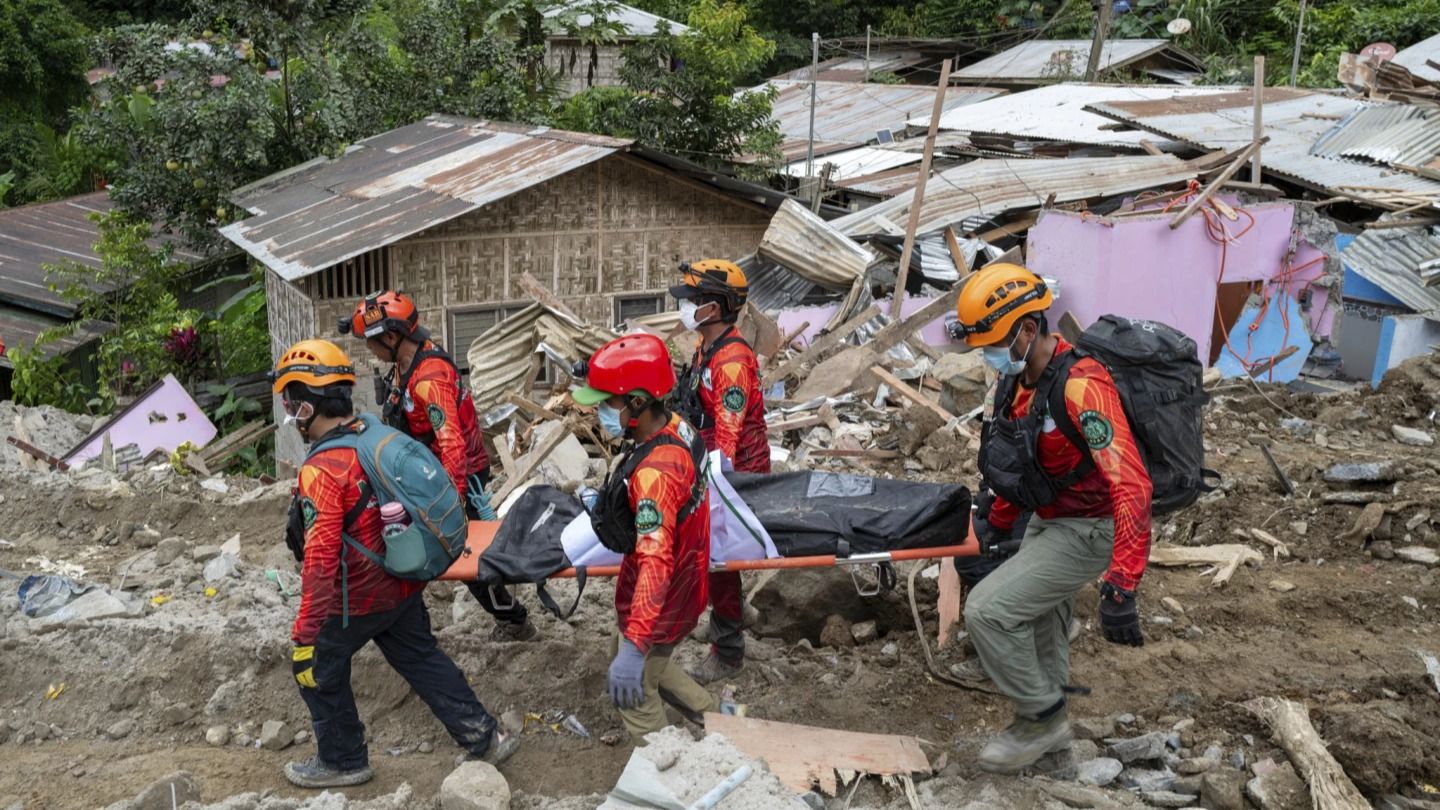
(1058,444)
(427,400)
(719,392)
(347,601)
(654,509)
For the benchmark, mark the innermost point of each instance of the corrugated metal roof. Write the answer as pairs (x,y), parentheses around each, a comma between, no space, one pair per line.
(988,188)
(857,162)
(1414,58)
(1294,120)
(636,23)
(33,236)
(1390,259)
(793,149)
(1040,60)
(883,184)
(1057,112)
(20,327)
(852,68)
(1403,135)
(397,184)
(852,112)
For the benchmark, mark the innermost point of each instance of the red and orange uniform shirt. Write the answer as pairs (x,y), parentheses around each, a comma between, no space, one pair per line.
(329,489)
(1119,487)
(663,589)
(440,414)
(730,396)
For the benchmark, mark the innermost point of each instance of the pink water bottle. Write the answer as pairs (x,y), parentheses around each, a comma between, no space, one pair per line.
(393,519)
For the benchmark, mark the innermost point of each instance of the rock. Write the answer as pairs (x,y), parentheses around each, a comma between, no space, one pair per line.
(177,714)
(159,796)
(1172,605)
(1098,772)
(1139,749)
(217,735)
(425,747)
(204,553)
(475,786)
(1165,798)
(1196,765)
(1189,785)
(836,633)
(962,380)
(120,729)
(1382,550)
(168,551)
(1143,779)
(1092,728)
(226,696)
(1084,750)
(1282,585)
(1125,719)
(1300,527)
(222,567)
(1278,788)
(301,737)
(1418,554)
(512,720)
(1223,789)
(275,735)
(1077,796)
(1411,436)
(889,654)
(864,632)
(1370,472)
(145,537)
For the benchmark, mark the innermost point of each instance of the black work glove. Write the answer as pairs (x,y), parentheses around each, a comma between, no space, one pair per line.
(1120,616)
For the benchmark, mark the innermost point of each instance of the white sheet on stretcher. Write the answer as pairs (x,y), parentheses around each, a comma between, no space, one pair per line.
(735,532)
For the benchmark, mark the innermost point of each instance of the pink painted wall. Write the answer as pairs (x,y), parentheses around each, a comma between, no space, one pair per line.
(141,424)
(1138,267)
(932,333)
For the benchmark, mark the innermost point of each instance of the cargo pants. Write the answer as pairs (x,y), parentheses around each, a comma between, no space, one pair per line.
(727,617)
(664,682)
(1019,615)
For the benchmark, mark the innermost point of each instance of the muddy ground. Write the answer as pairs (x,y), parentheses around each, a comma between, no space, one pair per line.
(141,692)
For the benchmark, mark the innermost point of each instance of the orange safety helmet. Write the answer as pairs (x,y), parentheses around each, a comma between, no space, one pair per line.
(625,365)
(718,277)
(381,312)
(319,364)
(995,299)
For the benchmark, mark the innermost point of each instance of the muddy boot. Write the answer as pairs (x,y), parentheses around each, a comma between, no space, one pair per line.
(502,747)
(312,773)
(1025,742)
(971,673)
(510,631)
(714,668)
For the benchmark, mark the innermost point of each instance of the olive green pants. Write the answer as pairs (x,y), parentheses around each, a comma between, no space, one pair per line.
(664,682)
(1019,615)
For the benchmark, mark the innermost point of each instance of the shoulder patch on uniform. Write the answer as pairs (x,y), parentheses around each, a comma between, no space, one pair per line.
(308,512)
(1096,429)
(437,417)
(734,399)
(647,516)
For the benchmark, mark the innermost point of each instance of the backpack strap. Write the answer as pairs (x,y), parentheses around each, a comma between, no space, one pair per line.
(690,377)
(402,385)
(548,602)
(1054,396)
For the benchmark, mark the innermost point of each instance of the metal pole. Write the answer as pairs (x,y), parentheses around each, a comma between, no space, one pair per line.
(1259,111)
(1299,35)
(867,53)
(1102,30)
(814,74)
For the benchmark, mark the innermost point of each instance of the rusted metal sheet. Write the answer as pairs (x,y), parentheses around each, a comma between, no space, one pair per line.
(811,247)
(20,327)
(1048,60)
(852,113)
(1399,136)
(1392,258)
(397,184)
(984,189)
(33,236)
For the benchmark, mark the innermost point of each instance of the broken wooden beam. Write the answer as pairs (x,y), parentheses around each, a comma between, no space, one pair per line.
(795,424)
(802,756)
(1214,185)
(533,460)
(1289,721)
(917,202)
(532,287)
(534,409)
(1228,556)
(837,452)
(1271,362)
(38,454)
(900,387)
(819,345)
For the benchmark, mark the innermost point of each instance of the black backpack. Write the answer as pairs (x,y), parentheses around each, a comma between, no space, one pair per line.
(686,399)
(611,516)
(1158,374)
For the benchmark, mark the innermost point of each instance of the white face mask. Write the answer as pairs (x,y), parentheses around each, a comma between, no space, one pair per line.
(687,315)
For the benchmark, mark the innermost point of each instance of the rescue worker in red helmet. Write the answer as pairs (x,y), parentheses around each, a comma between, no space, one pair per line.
(347,601)
(1059,444)
(719,392)
(427,400)
(655,509)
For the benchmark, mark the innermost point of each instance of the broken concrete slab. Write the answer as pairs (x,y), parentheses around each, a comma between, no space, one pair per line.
(276,735)
(1139,749)
(1078,796)
(1411,436)
(1143,779)
(1165,798)
(1278,788)
(1418,554)
(566,463)
(168,792)
(92,605)
(1368,472)
(1098,772)
(1223,790)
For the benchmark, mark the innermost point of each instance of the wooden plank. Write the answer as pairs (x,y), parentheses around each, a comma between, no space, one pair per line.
(921,347)
(1261,368)
(820,344)
(37,453)
(1258,129)
(535,457)
(795,424)
(501,450)
(956,254)
(1017,224)
(1214,185)
(533,288)
(900,387)
(836,452)
(802,756)
(1070,328)
(918,199)
(533,408)
(1151,148)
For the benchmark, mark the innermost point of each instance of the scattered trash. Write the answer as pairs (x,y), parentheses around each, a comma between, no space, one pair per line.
(160,598)
(55,690)
(572,724)
(44,594)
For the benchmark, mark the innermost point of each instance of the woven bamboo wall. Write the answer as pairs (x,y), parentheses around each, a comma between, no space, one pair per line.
(291,316)
(572,61)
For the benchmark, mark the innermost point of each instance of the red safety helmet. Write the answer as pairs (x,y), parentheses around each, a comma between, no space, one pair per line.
(382,312)
(629,364)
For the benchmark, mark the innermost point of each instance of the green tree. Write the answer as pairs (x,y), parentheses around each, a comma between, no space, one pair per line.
(679,92)
(43,58)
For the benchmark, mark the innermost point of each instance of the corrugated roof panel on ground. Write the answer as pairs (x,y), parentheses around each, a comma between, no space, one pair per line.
(1397,135)
(1391,258)
(865,160)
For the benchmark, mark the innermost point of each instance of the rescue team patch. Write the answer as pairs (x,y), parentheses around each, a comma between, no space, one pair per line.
(1097,430)
(437,417)
(308,512)
(734,399)
(647,516)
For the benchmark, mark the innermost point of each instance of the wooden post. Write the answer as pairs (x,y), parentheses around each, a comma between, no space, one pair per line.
(1097,45)
(1252,149)
(1259,114)
(897,309)
(956,254)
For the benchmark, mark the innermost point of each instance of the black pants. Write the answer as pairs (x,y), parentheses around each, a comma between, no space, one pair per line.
(404,638)
(508,609)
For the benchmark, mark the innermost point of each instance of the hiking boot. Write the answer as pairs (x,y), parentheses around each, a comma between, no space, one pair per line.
(714,668)
(1025,742)
(502,747)
(312,773)
(970,672)
(510,631)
